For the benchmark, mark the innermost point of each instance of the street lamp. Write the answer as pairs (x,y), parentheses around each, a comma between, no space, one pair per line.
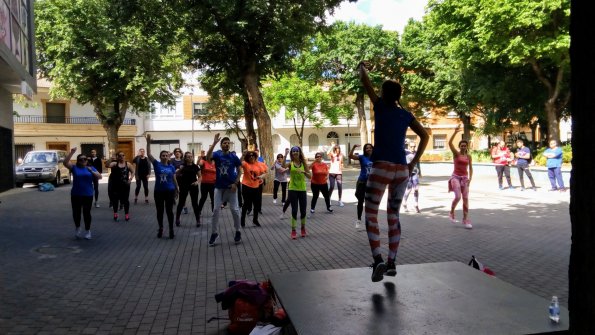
(192,111)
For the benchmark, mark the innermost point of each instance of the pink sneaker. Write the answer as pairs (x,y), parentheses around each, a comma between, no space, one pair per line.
(293,235)
(451,216)
(467,224)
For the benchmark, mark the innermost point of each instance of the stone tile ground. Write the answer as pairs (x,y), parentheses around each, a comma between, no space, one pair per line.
(126,281)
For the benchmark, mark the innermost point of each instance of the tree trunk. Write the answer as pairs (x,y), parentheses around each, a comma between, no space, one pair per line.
(111,121)
(582,181)
(361,115)
(263,120)
(553,123)
(249,120)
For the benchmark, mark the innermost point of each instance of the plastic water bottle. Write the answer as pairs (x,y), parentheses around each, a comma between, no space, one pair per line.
(554,310)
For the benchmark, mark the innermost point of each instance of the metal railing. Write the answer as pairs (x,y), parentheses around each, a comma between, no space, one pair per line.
(64,120)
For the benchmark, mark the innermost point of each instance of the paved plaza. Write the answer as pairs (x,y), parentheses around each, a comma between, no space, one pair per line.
(127,281)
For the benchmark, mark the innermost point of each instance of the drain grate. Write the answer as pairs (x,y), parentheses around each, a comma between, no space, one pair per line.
(47,250)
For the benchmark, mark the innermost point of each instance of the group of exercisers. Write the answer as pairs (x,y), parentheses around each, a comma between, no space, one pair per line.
(387,163)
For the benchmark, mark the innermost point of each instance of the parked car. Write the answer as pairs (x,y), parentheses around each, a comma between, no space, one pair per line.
(43,166)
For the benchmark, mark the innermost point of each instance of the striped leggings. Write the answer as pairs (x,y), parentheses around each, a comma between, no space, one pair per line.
(396,177)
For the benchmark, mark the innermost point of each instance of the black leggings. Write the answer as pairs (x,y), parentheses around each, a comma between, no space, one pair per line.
(332,178)
(298,198)
(320,188)
(164,200)
(360,194)
(120,194)
(96,187)
(206,189)
(184,190)
(252,197)
(83,203)
(145,183)
(283,184)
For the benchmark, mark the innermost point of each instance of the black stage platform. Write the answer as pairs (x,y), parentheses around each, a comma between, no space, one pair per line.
(433,298)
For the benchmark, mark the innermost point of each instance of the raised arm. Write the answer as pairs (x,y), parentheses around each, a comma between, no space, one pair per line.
(210,151)
(149,156)
(424,138)
(451,145)
(67,159)
(285,165)
(365,79)
(352,155)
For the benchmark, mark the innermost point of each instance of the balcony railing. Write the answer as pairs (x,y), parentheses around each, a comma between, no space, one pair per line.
(64,120)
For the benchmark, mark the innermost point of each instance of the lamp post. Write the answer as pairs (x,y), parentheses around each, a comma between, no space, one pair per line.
(192,111)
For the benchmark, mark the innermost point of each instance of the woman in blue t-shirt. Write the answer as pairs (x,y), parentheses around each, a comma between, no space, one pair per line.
(81,195)
(166,188)
(365,163)
(389,167)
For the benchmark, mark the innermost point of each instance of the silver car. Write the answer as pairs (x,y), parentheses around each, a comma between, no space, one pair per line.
(43,166)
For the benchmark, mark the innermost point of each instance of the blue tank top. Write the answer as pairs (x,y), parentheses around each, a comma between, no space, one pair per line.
(82,181)
(391,123)
(365,164)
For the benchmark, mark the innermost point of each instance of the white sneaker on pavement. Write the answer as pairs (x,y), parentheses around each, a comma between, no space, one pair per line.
(357,224)
(78,233)
(88,235)
(341,204)
(275,201)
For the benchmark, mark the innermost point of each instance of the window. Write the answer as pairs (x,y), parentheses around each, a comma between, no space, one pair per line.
(276,140)
(439,142)
(167,112)
(313,142)
(199,109)
(293,140)
(20,150)
(332,137)
(55,112)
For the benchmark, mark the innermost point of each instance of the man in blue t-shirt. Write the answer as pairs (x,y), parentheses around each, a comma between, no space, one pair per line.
(554,166)
(227,165)
(523,157)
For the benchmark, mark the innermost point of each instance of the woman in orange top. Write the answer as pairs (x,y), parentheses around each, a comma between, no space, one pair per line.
(207,183)
(253,176)
(319,184)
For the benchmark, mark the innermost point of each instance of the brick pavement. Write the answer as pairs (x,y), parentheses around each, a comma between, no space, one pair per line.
(126,281)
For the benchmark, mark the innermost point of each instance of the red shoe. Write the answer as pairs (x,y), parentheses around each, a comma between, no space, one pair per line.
(303,231)
(127,217)
(116,217)
(293,235)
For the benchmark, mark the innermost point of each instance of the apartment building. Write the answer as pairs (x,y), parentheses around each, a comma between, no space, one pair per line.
(17,75)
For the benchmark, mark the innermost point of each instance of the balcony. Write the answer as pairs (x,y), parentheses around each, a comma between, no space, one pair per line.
(37,125)
(64,120)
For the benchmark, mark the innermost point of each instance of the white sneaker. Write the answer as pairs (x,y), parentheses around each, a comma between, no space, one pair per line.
(96,204)
(341,204)
(405,208)
(282,216)
(78,233)
(275,201)
(88,235)
(357,224)
(311,213)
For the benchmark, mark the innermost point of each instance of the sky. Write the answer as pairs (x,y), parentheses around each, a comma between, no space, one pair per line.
(391,14)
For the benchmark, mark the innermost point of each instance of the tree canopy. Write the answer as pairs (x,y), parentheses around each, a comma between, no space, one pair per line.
(114,54)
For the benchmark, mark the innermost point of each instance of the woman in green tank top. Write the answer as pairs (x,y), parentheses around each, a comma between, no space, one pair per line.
(298,171)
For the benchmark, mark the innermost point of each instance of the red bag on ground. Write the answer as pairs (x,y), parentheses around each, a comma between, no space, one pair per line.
(243,317)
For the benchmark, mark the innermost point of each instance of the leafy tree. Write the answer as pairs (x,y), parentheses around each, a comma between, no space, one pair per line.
(302,101)
(117,55)
(228,110)
(513,34)
(333,54)
(247,40)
